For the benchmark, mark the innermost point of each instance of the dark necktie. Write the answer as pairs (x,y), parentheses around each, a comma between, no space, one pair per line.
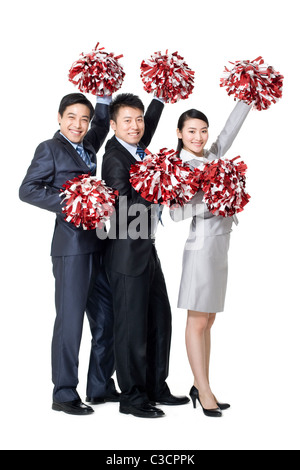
(140,152)
(84,155)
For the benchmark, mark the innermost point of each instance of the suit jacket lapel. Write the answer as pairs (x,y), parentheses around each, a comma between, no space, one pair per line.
(90,150)
(73,153)
(114,142)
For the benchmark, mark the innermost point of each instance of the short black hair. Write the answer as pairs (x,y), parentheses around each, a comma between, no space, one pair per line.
(122,100)
(74,98)
(190,114)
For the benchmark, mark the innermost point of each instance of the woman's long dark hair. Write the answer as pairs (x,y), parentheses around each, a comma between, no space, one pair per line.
(190,114)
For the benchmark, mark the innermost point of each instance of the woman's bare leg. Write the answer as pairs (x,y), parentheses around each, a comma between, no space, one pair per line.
(198,350)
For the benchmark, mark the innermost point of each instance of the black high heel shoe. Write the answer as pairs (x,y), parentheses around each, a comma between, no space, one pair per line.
(213,413)
(222,406)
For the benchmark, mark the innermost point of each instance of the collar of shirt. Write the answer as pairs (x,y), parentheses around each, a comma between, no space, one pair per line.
(186,156)
(131,149)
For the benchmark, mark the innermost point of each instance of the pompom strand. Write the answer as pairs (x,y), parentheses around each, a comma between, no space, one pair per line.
(254,82)
(161,178)
(97,72)
(223,182)
(168,76)
(89,203)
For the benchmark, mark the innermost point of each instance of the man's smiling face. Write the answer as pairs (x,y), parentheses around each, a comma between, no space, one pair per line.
(129,125)
(74,123)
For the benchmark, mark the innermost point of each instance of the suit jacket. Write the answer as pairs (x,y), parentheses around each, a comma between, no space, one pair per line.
(126,255)
(56,161)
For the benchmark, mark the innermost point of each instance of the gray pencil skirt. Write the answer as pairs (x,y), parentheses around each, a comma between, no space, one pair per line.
(204,274)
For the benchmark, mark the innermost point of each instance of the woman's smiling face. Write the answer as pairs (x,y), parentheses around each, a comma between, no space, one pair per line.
(194,135)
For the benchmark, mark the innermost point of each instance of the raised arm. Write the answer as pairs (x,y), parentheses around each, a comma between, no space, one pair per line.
(152,118)
(100,124)
(230,130)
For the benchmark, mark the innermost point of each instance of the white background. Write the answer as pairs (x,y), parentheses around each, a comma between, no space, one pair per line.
(255,359)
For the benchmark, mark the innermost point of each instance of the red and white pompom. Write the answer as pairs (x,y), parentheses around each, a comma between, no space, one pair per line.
(253,82)
(88,202)
(223,183)
(168,76)
(97,72)
(162,178)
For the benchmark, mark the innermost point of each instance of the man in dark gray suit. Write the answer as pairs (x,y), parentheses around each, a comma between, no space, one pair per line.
(141,305)
(80,281)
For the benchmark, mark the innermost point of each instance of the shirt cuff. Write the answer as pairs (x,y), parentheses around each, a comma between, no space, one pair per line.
(104,99)
(159,99)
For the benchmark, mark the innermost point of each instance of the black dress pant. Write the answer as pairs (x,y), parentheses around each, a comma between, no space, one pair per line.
(142,319)
(81,285)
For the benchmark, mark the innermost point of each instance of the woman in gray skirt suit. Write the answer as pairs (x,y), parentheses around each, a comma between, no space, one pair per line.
(205,264)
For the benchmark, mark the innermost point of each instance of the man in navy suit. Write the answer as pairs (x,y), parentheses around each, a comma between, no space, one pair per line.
(80,281)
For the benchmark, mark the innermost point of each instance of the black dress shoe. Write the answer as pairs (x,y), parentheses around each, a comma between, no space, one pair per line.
(141,411)
(111,397)
(75,407)
(171,400)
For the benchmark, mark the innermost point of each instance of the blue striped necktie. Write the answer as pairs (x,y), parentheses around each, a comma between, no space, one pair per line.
(140,152)
(84,155)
